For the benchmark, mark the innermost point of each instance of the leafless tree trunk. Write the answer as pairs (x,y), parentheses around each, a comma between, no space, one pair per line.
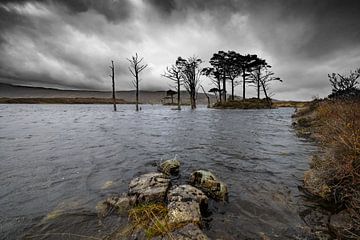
(174,73)
(224,87)
(207,96)
(113,84)
(190,72)
(135,68)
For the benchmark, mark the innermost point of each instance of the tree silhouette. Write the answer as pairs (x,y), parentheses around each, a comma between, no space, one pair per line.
(265,81)
(135,68)
(112,68)
(233,69)
(174,73)
(171,93)
(190,72)
(215,91)
(246,63)
(218,62)
(215,77)
(255,75)
(344,86)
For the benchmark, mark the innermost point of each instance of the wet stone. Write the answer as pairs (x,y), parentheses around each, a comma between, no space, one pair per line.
(120,204)
(188,232)
(150,187)
(186,193)
(180,213)
(170,167)
(209,184)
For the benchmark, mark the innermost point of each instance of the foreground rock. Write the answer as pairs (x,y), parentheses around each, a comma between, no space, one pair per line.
(189,232)
(150,187)
(170,167)
(210,184)
(181,213)
(185,193)
(120,204)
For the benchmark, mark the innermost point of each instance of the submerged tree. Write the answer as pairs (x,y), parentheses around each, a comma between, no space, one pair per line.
(190,72)
(112,68)
(135,68)
(344,86)
(174,73)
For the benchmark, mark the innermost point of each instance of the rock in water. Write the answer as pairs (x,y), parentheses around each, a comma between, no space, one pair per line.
(180,213)
(150,187)
(185,193)
(118,203)
(208,183)
(189,232)
(170,167)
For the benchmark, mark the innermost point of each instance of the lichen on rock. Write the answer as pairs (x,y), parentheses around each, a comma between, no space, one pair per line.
(150,187)
(180,213)
(209,184)
(169,167)
(185,193)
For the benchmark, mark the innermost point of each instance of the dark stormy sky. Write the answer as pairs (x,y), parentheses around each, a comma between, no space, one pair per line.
(69,43)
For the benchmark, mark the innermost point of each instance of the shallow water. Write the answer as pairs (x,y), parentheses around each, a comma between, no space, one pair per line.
(58,161)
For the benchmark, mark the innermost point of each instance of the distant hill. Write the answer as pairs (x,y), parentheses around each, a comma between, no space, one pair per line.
(150,97)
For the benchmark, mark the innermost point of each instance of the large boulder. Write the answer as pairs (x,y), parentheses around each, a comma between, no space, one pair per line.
(210,184)
(170,167)
(150,187)
(186,193)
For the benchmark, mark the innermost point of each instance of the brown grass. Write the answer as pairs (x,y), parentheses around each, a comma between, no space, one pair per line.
(240,104)
(335,175)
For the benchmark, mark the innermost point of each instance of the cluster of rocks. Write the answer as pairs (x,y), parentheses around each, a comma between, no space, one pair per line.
(185,203)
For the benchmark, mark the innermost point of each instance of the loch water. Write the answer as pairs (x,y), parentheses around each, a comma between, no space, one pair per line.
(58,161)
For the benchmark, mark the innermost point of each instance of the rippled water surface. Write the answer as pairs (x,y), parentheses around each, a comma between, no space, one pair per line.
(58,161)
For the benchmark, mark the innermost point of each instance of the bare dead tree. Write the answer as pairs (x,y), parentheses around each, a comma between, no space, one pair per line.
(113,83)
(135,68)
(265,80)
(174,73)
(191,74)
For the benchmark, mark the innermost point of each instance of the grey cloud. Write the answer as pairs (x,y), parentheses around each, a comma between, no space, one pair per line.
(302,39)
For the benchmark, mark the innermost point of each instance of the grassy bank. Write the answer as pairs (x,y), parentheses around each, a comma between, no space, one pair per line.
(334,174)
(243,104)
(258,104)
(61,101)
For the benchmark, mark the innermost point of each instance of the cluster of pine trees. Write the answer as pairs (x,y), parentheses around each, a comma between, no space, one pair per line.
(225,67)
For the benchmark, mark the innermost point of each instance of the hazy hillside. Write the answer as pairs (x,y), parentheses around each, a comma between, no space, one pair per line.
(153,97)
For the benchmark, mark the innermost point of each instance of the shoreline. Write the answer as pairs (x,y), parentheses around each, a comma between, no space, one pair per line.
(331,180)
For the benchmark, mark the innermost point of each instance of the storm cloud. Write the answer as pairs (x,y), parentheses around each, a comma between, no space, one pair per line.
(69,43)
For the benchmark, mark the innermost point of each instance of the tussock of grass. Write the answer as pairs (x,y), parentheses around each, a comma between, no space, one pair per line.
(151,218)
